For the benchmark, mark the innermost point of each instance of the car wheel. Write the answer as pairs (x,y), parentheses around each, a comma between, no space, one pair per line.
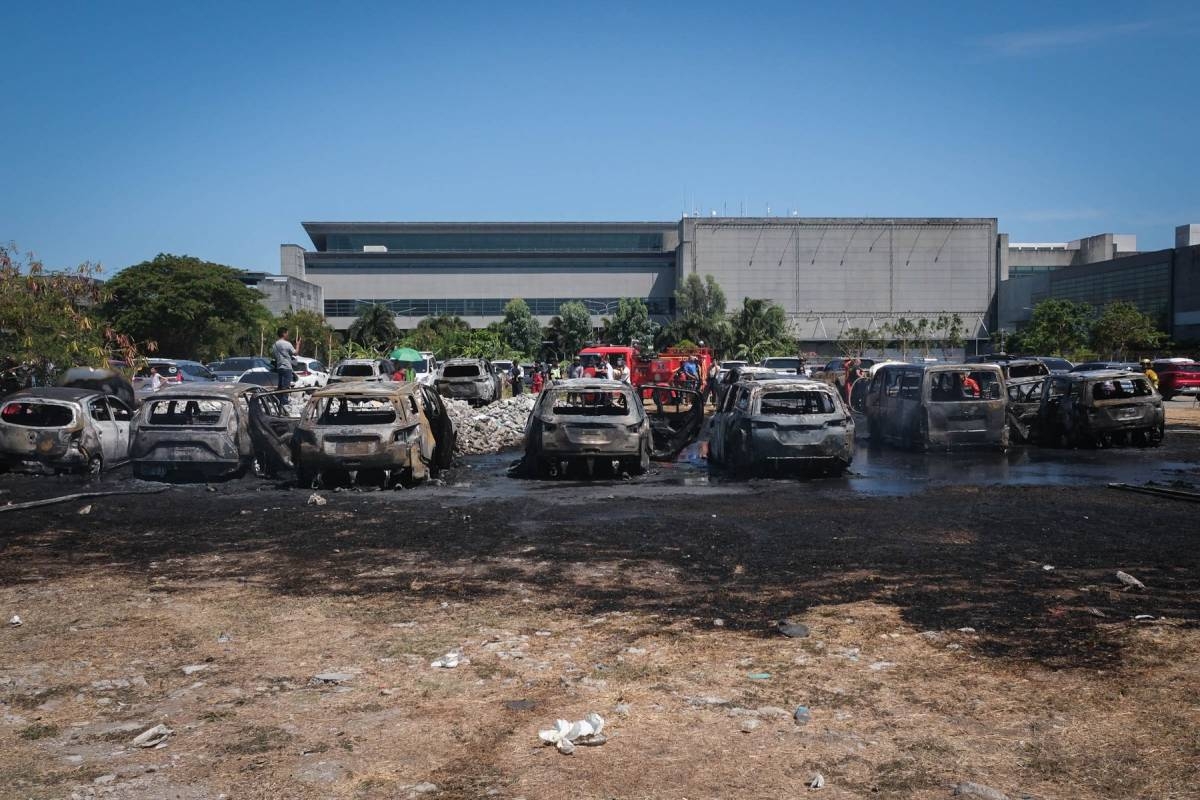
(95,465)
(304,479)
(1167,395)
(639,465)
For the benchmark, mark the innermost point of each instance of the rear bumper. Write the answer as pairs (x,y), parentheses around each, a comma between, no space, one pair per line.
(397,455)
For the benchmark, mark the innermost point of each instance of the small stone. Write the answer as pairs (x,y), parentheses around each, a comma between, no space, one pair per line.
(83,512)
(801,715)
(792,630)
(15,620)
(622,709)
(425,787)
(968,789)
(192,669)
(152,737)
(718,623)
(104,780)
(882,665)
(315,499)
(817,781)
(332,677)
(749,725)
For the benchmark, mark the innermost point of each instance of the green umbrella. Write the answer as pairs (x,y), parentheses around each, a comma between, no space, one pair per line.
(406,354)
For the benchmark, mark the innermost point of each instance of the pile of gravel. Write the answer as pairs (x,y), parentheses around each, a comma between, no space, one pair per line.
(491,428)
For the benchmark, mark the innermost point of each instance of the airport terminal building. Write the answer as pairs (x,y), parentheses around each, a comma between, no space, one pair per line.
(829,274)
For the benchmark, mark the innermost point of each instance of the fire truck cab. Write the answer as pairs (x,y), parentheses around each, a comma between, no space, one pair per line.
(657,368)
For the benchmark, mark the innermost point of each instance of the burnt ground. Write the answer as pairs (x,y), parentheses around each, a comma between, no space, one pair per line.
(967,630)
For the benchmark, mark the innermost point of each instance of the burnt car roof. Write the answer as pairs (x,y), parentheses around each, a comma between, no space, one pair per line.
(1102,374)
(592,383)
(55,393)
(371,388)
(220,391)
(464,360)
(793,383)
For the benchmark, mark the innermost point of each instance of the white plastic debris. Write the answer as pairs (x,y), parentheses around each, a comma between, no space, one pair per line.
(449,661)
(817,781)
(565,735)
(1129,581)
(315,499)
(152,736)
(15,621)
(1048,567)
(192,669)
(83,512)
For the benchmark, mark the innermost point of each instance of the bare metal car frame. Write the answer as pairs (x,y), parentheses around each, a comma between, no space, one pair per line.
(193,430)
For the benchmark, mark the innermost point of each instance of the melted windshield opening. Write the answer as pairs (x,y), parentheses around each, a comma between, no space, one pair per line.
(461,371)
(596,403)
(37,415)
(796,402)
(186,413)
(354,411)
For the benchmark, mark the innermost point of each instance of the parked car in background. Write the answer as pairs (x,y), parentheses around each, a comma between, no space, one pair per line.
(736,374)
(1092,366)
(193,431)
(1101,407)
(782,422)
(1054,363)
(399,429)
(424,369)
(172,370)
(60,429)
(588,421)
(357,370)
(782,365)
(266,378)
(728,365)
(501,367)
(941,405)
(229,369)
(310,372)
(470,379)
(1176,377)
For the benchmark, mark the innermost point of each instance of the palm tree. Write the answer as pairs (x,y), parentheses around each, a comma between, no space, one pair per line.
(375,327)
(760,330)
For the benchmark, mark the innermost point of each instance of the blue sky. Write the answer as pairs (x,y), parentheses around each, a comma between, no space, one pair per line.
(213,129)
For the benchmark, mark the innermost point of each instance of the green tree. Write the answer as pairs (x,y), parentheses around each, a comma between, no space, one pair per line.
(485,343)
(446,335)
(47,318)
(855,341)
(700,313)
(310,332)
(1122,326)
(571,330)
(630,324)
(374,328)
(1057,327)
(759,330)
(192,308)
(521,329)
(904,331)
(949,329)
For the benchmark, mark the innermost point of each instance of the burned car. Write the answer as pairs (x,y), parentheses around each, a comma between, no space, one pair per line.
(399,430)
(589,421)
(939,405)
(470,379)
(1105,407)
(193,431)
(1023,383)
(58,429)
(782,422)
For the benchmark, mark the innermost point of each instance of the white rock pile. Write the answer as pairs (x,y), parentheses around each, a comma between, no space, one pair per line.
(491,428)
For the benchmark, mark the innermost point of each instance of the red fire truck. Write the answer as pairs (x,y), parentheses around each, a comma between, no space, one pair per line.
(645,367)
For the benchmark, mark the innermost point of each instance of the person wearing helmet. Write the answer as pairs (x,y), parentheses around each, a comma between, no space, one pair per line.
(1150,373)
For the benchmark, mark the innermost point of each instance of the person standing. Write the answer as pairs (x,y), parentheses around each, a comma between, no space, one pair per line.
(576,369)
(516,374)
(623,371)
(608,369)
(156,380)
(284,355)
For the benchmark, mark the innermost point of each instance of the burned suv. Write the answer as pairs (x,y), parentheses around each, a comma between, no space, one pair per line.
(400,431)
(783,422)
(193,430)
(470,379)
(1104,407)
(589,421)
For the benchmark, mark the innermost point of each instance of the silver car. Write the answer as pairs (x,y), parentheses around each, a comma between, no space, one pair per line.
(58,429)
(193,430)
(782,422)
(470,379)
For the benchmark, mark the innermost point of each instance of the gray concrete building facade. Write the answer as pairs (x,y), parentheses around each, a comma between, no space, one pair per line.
(282,293)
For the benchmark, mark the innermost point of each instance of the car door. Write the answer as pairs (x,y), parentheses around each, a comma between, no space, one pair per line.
(273,418)
(442,426)
(106,429)
(122,417)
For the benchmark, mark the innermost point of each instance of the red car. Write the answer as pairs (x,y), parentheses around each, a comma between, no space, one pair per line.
(1175,377)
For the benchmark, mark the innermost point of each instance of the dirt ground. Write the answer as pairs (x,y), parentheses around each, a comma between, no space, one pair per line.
(967,633)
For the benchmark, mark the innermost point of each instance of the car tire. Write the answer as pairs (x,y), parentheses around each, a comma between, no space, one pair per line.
(639,465)
(95,466)
(304,479)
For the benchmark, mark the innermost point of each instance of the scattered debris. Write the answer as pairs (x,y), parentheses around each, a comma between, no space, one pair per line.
(1048,567)
(966,630)
(1129,581)
(424,787)
(83,512)
(718,623)
(968,789)
(15,620)
(759,676)
(801,715)
(66,498)
(152,737)
(1095,612)
(449,661)
(565,735)
(749,725)
(192,669)
(332,677)
(1145,617)
(817,781)
(224,638)
(315,499)
(793,630)
(882,665)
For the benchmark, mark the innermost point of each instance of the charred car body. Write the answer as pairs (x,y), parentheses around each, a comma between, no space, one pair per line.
(400,430)
(1104,407)
(939,406)
(470,379)
(1023,383)
(782,422)
(193,431)
(57,429)
(589,420)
